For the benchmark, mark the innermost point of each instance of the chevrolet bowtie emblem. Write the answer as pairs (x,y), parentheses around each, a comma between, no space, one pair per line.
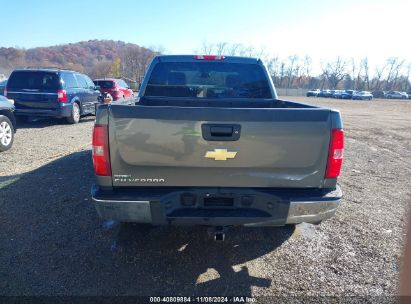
(220,154)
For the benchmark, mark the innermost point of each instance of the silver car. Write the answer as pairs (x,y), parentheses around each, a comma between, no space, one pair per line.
(396,95)
(7,124)
(362,95)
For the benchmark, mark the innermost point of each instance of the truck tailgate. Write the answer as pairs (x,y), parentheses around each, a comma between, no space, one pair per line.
(172,146)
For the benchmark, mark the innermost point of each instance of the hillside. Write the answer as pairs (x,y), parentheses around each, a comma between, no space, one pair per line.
(95,57)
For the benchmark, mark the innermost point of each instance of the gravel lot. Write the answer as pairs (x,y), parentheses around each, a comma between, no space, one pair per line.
(52,243)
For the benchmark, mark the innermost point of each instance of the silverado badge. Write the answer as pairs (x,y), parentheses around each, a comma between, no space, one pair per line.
(220,154)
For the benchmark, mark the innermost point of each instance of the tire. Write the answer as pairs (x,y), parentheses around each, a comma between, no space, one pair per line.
(6,133)
(74,117)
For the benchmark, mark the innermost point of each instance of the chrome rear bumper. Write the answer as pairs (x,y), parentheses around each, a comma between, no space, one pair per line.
(311,212)
(165,208)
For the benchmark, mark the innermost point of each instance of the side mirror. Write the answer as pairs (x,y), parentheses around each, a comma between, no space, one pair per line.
(97,87)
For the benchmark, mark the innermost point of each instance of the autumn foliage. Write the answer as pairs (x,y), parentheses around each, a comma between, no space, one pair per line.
(97,58)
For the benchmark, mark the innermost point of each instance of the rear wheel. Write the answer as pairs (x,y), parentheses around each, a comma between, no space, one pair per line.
(75,114)
(6,133)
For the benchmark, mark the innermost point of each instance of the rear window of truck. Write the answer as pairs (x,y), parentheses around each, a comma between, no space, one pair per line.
(208,80)
(34,80)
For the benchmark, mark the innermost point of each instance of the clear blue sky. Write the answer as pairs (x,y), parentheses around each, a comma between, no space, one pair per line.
(322,29)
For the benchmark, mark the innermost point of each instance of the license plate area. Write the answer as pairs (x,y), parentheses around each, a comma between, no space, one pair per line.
(218,201)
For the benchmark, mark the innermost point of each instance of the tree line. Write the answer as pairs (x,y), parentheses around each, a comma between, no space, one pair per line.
(341,73)
(97,58)
(108,58)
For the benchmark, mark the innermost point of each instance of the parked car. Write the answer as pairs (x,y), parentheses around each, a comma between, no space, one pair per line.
(337,94)
(2,86)
(141,180)
(7,124)
(325,93)
(347,94)
(362,95)
(117,88)
(379,94)
(52,93)
(409,94)
(396,95)
(313,93)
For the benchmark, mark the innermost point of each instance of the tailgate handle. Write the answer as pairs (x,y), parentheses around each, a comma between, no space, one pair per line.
(221,132)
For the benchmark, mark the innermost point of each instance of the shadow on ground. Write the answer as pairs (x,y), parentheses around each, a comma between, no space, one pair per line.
(43,122)
(52,243)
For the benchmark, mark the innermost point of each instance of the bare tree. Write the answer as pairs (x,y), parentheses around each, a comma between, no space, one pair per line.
(135,62)
(130,66)
(306,72)
(261,53)
(307,66)
(273,68)
(353,75)
(394,66)
(221,48)
(334,72)
(282,73)
(242,50)
(358,84)
(292,61)
(249,50)
(297,73)
(397,76)
(341,73)
(377,81)
(233,49)
(407,84)
(207,48)
(365,68)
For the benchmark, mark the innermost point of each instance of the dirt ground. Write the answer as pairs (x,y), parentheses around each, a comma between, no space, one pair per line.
(52,243)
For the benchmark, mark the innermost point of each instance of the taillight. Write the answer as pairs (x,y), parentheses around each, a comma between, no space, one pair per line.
(5,92)
(208,57)
(101,155)
(62,95)
(335,154)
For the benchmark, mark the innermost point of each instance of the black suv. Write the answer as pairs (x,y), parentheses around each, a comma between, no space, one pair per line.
(52,93)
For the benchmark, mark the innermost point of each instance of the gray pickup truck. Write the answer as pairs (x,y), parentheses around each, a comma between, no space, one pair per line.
(208,143)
